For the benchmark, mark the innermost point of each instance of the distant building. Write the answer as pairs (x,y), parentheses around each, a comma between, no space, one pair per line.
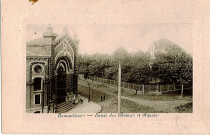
(51,72)
(159,46)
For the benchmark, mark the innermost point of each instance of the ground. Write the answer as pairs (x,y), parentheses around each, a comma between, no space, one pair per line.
(132,102)
(84,106)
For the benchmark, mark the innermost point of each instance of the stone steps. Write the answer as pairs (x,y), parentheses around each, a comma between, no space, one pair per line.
(64,107)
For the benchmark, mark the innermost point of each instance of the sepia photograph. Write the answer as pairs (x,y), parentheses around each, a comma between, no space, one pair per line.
(109,68)
(105,67)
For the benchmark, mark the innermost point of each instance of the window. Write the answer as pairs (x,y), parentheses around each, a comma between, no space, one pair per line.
(38,69)
(37,99)
(37,112)
(37,84)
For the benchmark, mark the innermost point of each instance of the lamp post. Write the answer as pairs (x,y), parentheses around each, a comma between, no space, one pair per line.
(89,92)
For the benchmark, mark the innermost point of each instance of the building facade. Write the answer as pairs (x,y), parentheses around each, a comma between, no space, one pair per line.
(51,72)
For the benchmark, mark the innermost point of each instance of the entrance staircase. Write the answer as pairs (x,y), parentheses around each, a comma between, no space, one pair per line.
(64,107)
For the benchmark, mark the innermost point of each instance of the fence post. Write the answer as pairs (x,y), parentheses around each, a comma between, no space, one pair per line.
(168,87)
(157,89)
(143,88)
(133,86)
(136,91)
(182,91)
(160,88)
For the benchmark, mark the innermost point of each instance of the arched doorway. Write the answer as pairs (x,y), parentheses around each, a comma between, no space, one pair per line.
(62,69)
(61,83)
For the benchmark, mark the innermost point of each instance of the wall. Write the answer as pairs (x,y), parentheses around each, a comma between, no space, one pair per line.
(30,75)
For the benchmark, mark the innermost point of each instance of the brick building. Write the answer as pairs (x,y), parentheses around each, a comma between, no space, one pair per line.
(51,72)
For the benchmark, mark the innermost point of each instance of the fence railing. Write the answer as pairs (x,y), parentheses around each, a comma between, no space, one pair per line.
(141,88)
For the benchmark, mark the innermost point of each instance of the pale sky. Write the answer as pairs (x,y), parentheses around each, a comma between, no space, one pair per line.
(101,38)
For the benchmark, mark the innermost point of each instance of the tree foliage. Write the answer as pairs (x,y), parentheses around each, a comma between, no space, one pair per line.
(173,65)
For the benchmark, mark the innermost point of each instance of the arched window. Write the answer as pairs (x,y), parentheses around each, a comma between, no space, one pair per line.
(37,84)
(61,67)
(37,112)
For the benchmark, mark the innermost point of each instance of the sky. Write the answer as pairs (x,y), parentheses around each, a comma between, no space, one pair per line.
(105,39)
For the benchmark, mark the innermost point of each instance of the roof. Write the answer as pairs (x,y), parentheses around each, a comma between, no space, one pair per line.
(40,41)
(38,47)
(60,36)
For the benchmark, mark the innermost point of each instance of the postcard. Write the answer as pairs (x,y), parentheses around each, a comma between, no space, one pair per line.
(105,67)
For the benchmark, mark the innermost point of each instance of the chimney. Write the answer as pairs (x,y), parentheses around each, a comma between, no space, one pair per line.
(49,33)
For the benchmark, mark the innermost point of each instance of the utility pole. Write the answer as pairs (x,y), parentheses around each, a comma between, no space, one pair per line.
(119,88)
(89,92)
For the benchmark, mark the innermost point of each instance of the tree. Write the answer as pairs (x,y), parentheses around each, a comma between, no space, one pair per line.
(173,66)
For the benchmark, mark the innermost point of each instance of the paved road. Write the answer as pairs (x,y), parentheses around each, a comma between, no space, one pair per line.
(85,107)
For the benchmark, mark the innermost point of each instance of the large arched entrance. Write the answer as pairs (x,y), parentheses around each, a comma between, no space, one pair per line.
(62,69)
